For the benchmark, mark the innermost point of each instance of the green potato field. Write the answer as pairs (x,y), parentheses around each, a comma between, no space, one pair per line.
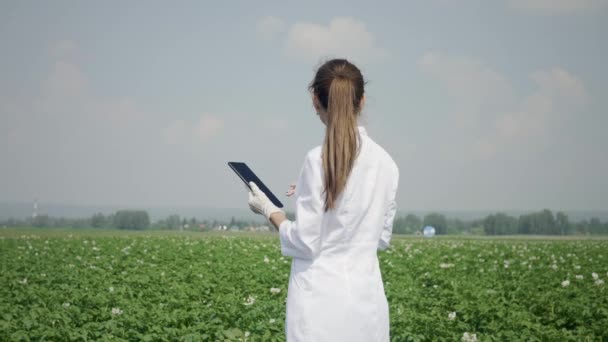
(168,286)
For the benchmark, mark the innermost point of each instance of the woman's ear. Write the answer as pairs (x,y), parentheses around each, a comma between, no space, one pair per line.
(362,101)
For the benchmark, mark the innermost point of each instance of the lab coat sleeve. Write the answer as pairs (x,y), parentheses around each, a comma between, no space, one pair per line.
(389,216)
(301,238)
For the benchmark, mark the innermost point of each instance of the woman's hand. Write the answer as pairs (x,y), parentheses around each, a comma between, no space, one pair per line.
(259,202)
(292,190)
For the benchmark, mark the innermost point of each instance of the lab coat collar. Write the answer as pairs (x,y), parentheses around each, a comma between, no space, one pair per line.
(362,130)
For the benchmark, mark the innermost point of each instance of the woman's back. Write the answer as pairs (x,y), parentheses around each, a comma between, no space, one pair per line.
(359,216)
(336,293)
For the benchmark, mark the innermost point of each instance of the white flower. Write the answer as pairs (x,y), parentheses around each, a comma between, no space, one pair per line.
(468,337)
(452,315)
(23,281)
(266,260)
(271,321)
(249,301)
(599,282)
(565,283)
(578,267)
(275,290)
(66,305)
(111,289)
(247,333)
(442,265)
(579,276)
(554,266)
(116,311)
(594,275)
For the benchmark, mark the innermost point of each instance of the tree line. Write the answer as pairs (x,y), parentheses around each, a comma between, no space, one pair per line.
(128,219)
(543,222)
(121,219)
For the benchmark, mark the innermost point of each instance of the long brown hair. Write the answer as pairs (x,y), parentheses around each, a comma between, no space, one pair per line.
(338,84)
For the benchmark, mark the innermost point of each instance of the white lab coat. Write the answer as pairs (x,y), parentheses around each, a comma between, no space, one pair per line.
(335,290)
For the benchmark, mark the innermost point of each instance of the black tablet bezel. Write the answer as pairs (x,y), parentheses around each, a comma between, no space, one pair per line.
(254,178)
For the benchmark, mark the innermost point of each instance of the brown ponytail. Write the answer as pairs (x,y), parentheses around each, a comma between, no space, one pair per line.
(339,87)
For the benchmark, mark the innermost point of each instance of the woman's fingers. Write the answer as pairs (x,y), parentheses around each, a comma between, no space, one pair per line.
(292,190)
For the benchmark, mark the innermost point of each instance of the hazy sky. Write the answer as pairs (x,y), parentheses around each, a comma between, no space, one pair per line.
(482,104)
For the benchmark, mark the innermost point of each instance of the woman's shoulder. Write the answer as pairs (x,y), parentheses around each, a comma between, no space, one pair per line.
(382,154)
(314,153)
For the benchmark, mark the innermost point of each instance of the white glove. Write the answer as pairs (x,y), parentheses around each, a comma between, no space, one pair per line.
(259,202)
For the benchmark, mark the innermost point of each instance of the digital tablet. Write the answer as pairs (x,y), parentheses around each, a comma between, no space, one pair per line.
(245,173)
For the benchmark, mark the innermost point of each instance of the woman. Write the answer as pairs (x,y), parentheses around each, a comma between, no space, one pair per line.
(345,206)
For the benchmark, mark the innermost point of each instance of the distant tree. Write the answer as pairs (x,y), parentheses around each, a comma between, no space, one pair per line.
(399,226)
(500,224)
(545,223)
(475,228)
(595,226)
(562,223)
(132,219)
(64,222)
(436,221)
(173,221)
(581,227)
(524,224)
(455,226)
(98,221)
(76,223)
(110,220)
(541,222)
(412,223)
(242,224)
(489,225)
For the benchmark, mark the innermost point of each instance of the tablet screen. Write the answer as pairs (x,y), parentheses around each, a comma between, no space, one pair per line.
(245,173)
